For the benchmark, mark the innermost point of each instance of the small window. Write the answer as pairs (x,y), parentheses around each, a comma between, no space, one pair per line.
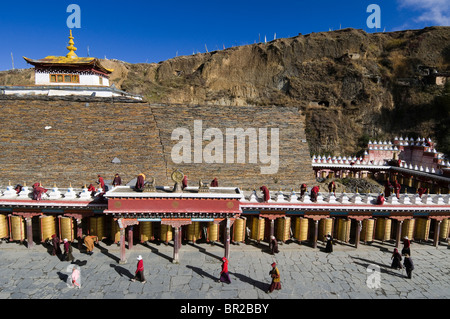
(59,78)
(67,78)
(53,78)
(75,78)
(100,80)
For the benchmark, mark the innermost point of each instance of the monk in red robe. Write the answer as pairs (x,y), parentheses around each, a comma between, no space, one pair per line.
(266,193)
(387,188)
(314,193)
(38,190)
(303,190)
(397,188)
(380,199)
(140,183)
(101,182)
(421,191)
(184,183)
(117,181)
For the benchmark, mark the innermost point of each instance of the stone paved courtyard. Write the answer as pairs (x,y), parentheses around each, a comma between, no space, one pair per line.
(306,273)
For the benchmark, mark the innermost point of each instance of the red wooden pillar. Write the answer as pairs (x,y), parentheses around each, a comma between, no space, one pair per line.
(122,246)
(227,238)
(316,232)
(176,224)
(29,227)
(130,237)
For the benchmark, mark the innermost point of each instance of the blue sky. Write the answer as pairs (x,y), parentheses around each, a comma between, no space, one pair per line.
(152,31)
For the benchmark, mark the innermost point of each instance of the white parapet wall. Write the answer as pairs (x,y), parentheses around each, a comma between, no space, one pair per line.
(51,90)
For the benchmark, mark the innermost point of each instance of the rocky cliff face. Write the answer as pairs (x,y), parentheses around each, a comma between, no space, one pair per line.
(349,85)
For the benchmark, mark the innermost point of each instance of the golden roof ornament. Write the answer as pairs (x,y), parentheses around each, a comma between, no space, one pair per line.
(71,48)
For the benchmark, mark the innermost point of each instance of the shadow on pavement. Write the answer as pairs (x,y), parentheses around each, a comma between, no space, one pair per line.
(258,284)
(105,252)
(122,271)
(202,273)
(383,267)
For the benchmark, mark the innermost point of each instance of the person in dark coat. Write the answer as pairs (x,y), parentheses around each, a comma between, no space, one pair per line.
(409,266)
(275,274)
(396,260)
(273,245)
(303,189)
(117,181)
(140,183)
(215,183)
(332,187)
(406,246)
(56,248)
(224,275)
(67,251)
(329,246)
(387,188)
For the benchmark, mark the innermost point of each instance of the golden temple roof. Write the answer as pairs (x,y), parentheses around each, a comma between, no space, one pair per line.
(71,59)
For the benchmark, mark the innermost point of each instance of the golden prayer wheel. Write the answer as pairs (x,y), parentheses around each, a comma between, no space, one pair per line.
(166,233)
(4,233)
(257,230)
(343,229)
(97,227)
(115,231)
(383,229)
(410,182)
(367,230)
(48,227)
(408,228)
(66,229)
(422,229)
(324,174)
(283,229)
(443,231)
(417,183)
(194,231)
(331,174)
(145,231)
(325,226)
(401,179)
(17,228)
(213,232)
(239,229)
(301,228)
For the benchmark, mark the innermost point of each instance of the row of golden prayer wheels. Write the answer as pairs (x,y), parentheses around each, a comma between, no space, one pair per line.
(253,227)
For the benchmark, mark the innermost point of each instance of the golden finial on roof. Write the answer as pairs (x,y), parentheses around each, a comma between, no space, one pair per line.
(71,48)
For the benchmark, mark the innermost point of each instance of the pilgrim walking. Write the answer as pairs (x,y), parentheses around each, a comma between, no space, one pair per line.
(409,266)
(67,251)
(406,246)
(396,260)
(273,245)
(56,248)
(139,274)
(329,246)
(224,275)
(275,274)
(89,242)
